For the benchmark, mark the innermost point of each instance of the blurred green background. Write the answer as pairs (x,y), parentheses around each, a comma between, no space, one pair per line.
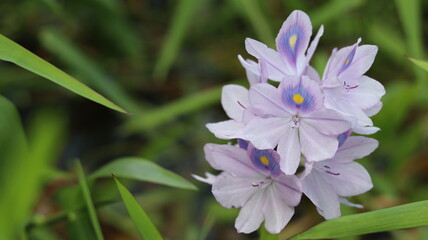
(165,61)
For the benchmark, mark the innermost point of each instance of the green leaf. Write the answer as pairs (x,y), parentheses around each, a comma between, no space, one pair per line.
(143,223)
(420,63)
(332,10)
(163,114)
(89,72)
(183,17)
(142,170)
(13,52)
(404,216)
(88,199)
(265,235)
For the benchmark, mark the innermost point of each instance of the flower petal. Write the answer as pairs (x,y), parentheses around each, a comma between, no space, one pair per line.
(276,213)
(275,64)
(300,94)
(231,159)
(350,179)
(322,195)
(327,121)
(313,45)
(289,150)
(362,61)
(234,192)
(265,100)
(264,133)
(229,129)
(258,72)
(209,178)
(367,94)
(355,147)
(312,74)
(293,40)
(315,145)
(289,189)
(251,215)
(234,99)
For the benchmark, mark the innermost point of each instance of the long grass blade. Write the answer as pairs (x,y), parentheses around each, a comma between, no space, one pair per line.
(88,200)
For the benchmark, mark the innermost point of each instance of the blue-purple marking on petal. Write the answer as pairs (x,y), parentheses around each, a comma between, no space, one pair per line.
(299,98)
(349,59)
(266,160)
(342,137)
(242,143)
(290,43)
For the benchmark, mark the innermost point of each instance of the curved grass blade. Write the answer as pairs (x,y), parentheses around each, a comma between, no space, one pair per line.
(400,217)
(180,22)
(88,199)
(13,52)
(420,63)
(143,223)
(142,170)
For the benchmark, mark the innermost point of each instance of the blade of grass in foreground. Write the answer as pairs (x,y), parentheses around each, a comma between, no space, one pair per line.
(13,52)
(88,199)
(420,63)
(404,216)
(142,170)
(143,223)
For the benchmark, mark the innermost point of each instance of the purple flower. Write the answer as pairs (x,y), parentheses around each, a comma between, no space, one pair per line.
(348,91)
(293,118)
(326,181)
(292,42)
(251,180)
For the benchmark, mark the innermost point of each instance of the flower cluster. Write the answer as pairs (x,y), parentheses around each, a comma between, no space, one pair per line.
(292,117)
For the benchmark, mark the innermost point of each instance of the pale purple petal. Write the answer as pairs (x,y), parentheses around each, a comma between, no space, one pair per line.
(276,213)
(340,61)
(365,130)
(289,150)
(275,64)
(328,66)
(264,133)
(301,95)
(209,178)
(327,121)
(289,189)
(293,40)
(362,61)
(322,195)
(251,215)
(231,159)
(355,147)
(265,160)
(312,74)
(350,204)
(367,94)
(350,179)
(315,145)
(266,100)
(234,99)
(251,69)
(234,192)
(374,110)
(313,45)
(229,129)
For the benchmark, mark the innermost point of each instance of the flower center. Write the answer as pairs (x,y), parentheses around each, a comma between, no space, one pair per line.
(296,120)
(292,41)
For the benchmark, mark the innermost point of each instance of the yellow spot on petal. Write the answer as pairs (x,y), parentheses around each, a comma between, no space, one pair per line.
(292,41)
(264,160)
(347,61)
(297,98)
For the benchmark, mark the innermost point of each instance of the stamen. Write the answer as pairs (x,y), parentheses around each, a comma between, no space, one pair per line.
(240,104)
(332,173)
(296,120)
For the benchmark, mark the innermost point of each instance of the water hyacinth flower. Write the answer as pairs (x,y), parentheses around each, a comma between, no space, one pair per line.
(292,42)
(350,92)
(325,182)
(252,180)
(293,118)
